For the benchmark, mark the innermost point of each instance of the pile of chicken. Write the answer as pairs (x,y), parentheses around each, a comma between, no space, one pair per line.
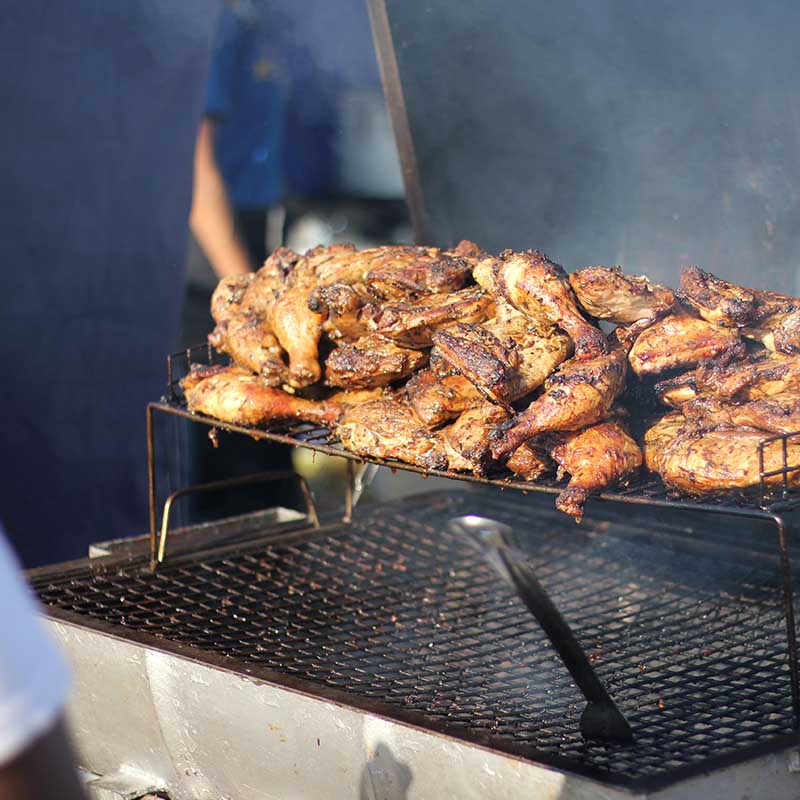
(461,360)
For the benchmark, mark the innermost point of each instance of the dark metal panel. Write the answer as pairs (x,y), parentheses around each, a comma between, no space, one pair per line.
(649,134)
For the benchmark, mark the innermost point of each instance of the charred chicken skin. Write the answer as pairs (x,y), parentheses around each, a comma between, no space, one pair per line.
(679,340)
(777,414)
(539,288)
(413,323)
(771,318)
(579,393)
(388,428)
(234,395)
(504,359)
(530,462)
(371,361)
(753,379)
(250,342)
(595,457)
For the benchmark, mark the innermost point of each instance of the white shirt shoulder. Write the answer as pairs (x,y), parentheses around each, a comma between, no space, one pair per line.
(34,677)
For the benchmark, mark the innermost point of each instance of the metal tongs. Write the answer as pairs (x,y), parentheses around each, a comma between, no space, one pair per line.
(601,719)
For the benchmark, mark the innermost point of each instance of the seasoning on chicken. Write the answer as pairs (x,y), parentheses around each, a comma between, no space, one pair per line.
(579,393)
(679,340)
(371,361)
(398,272)
(771,318)
(234,395)
(595,457)
(698,462)
(505,360)
(388,428)
(436,399)
(413,323)
(530,462)
(777,414)
(539,288)
(752,379)
(250,342)
(608,293)
(467,439)
(347,310)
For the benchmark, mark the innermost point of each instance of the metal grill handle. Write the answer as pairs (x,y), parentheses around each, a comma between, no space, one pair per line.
(246,480)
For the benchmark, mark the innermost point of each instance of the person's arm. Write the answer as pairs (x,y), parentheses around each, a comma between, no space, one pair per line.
(211,217)
(45,769)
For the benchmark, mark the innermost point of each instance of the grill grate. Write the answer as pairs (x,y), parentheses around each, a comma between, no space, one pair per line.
(396,614)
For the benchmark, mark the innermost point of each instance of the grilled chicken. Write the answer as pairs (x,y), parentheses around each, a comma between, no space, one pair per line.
(505,360)
(530,462)
(269,281)
(436,399)
(539,288)
(234,395)
(698,462)
(388,428)
(402,272)
(633,302)
(680,340)
(347,310)
(371,361)
(298,329)
(466,441)
(246,336)
(777,414)
(579,393)
(226,301)
(768,317)
(413,323)
(250,342)
(596,457)
(754,379)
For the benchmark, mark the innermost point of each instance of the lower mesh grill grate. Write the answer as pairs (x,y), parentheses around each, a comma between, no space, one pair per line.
(394,611)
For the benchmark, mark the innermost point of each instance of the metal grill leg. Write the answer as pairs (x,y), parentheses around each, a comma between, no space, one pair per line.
(788,612)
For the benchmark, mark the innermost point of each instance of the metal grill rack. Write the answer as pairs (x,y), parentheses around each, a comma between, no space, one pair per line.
(391,613)
(774,507)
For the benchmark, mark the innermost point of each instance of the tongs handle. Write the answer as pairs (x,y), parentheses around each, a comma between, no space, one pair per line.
(601,719)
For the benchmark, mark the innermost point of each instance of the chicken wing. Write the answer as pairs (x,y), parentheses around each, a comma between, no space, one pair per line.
(595,457)
(234,395)
(412,323)
(701,462)
(388,428)
(466,440)
(768,317)
(539,288)
(371,361)
(436,399)
(580,393)
(679,340)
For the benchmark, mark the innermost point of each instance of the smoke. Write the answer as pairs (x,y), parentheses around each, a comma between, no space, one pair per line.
(619,131)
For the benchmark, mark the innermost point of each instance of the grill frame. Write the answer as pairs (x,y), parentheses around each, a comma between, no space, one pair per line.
(109,565)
